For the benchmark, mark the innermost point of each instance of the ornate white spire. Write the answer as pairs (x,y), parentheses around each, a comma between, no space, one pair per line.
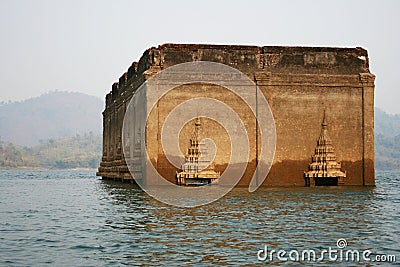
(196,170)
(324,169)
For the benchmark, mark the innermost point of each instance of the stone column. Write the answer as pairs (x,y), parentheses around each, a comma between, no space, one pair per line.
(104,157)
(368,87)
(108,141)
(112,133)
(116,132)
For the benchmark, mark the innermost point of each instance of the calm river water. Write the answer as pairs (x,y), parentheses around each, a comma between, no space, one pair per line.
(71,218)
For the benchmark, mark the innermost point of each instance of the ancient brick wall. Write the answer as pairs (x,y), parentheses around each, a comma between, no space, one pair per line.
(299,84)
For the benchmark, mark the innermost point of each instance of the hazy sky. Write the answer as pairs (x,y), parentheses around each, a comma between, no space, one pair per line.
(86,45)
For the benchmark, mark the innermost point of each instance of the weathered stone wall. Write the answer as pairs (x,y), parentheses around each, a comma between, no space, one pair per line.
(298,108)
(299,84)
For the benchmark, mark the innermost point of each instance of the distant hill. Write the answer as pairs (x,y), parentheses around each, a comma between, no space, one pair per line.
(387,141)
(50,116)
(386,124)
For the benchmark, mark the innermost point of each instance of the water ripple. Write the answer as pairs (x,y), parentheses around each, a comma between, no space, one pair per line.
(58,218)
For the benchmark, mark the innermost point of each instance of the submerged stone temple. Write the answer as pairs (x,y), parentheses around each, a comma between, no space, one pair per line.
(299,83)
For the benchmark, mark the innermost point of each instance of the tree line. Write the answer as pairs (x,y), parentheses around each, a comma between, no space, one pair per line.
(80,151)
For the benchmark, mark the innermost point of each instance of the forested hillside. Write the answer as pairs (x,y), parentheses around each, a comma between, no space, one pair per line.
(80,151)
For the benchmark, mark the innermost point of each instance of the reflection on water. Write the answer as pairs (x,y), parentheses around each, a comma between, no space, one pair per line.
(52,216)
